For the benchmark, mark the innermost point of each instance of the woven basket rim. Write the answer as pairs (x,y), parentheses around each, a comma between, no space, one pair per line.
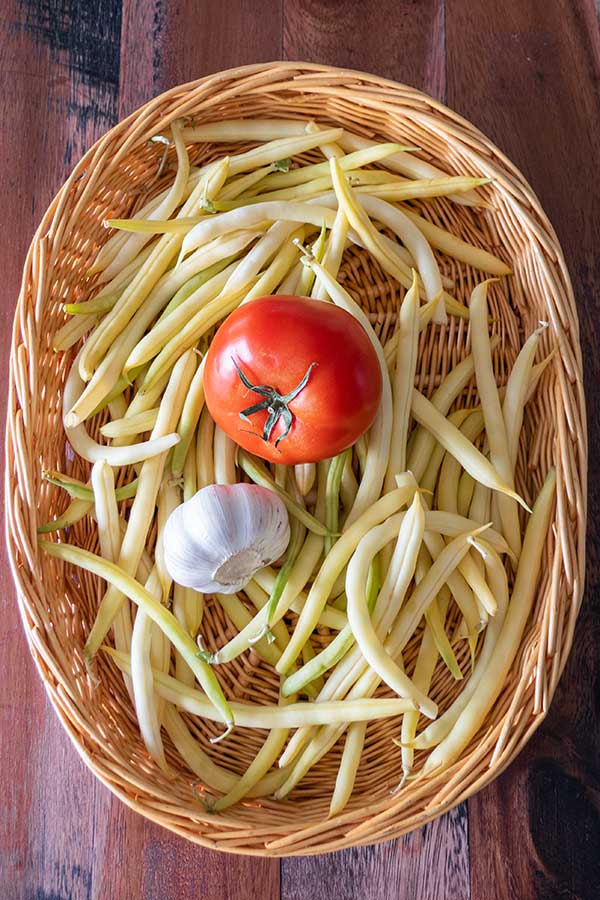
(13,480)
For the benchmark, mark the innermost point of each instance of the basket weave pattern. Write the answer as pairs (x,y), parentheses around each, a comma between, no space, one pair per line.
(117,176)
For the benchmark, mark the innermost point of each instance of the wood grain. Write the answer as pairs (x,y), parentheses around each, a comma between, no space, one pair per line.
(183,41)
(429,863)
(60,67)
(397,39)
(351,33)
(186,40)
(528,75)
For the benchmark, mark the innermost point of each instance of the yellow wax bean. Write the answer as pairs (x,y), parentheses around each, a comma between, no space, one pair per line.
(141,513)
(489,687)
(90,450)
(146,706)
(131,425)
(407,164)
(158,613)
(135,243)
(457,248)
(334,564)
(403,383)
(456,443)
(442,399)
(517,388)
(147,277)
(410,536)
(253,716)
(216,777)
(381,430)
(344,782)
(492,414)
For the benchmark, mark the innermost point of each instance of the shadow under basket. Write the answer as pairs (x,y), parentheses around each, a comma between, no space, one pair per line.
(58,604)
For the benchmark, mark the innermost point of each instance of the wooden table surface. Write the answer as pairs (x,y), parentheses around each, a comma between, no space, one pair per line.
(527,72)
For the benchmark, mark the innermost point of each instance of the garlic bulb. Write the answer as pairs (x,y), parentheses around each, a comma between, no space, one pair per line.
(219,538)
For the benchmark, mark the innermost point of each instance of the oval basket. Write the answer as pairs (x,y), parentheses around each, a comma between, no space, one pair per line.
(116,177)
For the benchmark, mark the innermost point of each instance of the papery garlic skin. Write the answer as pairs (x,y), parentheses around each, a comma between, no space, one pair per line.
(219,538)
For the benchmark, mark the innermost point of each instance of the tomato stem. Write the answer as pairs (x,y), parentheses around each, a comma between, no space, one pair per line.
(276,404)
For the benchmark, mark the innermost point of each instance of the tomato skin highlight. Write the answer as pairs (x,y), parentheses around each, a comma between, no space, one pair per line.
(274,341)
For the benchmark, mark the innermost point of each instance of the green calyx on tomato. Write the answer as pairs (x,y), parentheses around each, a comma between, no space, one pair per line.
(276,404)
(304,372)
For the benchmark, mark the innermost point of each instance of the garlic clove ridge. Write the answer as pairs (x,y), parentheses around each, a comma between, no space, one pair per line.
(218,539)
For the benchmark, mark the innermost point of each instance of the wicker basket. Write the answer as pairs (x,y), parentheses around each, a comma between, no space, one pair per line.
(117,176)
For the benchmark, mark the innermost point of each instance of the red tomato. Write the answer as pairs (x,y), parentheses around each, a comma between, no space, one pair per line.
(315,374)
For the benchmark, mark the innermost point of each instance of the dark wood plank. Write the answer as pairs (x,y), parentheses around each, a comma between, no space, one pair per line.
(181,871)
(527,74)
(427,864)
(60,69)
(173,42)
(119,837)
(403,41)
(397,39)
(164,44)
(62,835)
